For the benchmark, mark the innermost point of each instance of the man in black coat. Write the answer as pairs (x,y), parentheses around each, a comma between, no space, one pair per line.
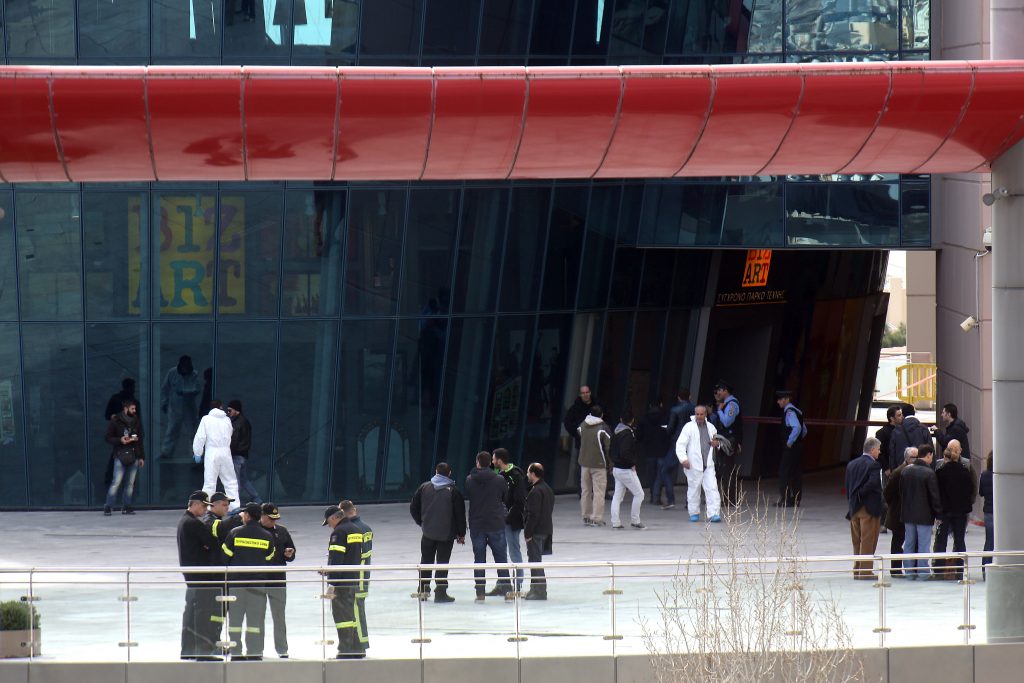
(485,491)
(888,459)
(921,505)
(538,528)
(515,499)
(241,442)
(864,493)
(953,428)
(910,432)
(574,417)
(439,509)
(198,632)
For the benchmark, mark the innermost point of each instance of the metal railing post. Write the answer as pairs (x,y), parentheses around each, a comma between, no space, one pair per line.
(128,599)
(611,593)
(882,585)
(966,581)
(324,598)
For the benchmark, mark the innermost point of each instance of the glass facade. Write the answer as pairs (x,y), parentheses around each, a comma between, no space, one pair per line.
(372,329)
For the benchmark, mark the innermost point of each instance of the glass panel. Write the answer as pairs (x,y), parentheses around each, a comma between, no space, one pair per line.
(766,27)
(626,277)
(644,368)
(639,27)
(675,359)
(391,27)
(591,28)
(13,485)
(182,387)
(561,271)
(700,28)
(525,248)
(374,248)
(61,604)
(752,215)
(187,31)
(465,391)
(629,218)
(843,25)
(690,283)
(599,248)
(49,256)
(55,414)
(552,27)
(117,367)
(581,591)
(246,371)
(506,27)
(314,239)
(305,395)
(657,278)
(330,30)
(416,388)
(847,214)
(451,27)
(429,238)
(114,30)
(611,383)
(185,253)
(116,227)
(8,274)
(40,30)
(367,444)
(544,401)
(509,372)
(250,253)
(484,214)
(260,28)
(917,229)
(916,24)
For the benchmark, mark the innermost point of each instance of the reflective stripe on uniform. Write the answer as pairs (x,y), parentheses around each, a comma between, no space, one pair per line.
(252,629)
(215,618)
(227,550)
(259,543)
(354,538)
(336,548)
(213,528)
(359,625)
(346,624)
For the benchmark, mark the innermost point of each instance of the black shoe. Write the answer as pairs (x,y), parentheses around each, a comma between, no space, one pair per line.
(500,589)
(207,658)
(284,656)
(106,511)
(441,595)
(536,595)
(480,596)
(351,656)
(127,511)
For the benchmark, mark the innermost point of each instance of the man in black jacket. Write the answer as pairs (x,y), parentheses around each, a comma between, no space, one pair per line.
(864,493)
(125,436)
(953,428)
(351,545)
(574,417)
(277,589)
(920,506)
(439,510)
(485,491)
(515,499)
(538,528)
(887,459)
(249,545)
(910,432)
(654,441)
(198,637)
(625,457)
(241,442)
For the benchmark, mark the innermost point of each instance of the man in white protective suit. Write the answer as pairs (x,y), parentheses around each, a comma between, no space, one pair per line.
(695,449)
(214,437)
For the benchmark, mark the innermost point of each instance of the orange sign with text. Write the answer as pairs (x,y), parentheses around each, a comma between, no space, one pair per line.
(755,273)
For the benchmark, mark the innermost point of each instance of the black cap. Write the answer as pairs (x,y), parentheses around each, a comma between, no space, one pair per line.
(270,510)
(217,497)
(235,405)
(330,512)
(200,496)
(721,384)
(253,510)
(783,393)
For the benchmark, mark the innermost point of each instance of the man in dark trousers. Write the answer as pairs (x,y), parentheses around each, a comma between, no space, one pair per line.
(277,589)
(921,506)
(728,419)
(114,405)
(125,436)
(352,545)
(894,509)
(653,438)
(249,545)
(864,493)
(439,509)
(574,417)
(241,442)
(792,432)
(485,491)
(515,499)
(198,639)
(538,528)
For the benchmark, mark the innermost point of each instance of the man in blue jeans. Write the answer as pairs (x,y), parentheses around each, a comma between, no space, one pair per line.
(241,442)
(515,500)
(485,491)
(919,495)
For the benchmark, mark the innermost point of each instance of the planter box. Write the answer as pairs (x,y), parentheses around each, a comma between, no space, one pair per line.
(16,643)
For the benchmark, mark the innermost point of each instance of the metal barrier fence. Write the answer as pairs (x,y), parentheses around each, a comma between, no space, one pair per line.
(124,614)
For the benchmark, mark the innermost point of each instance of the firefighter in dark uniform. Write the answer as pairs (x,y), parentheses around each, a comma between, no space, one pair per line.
(197,638)
(351,544)
(218,523)
(277,588)
(249,545)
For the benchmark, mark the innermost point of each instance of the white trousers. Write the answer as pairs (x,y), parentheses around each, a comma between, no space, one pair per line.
(217,463)
(695,479)
(626,480)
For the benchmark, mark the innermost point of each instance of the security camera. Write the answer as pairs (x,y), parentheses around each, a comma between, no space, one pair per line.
(990,198)
(969,324)
(986,238)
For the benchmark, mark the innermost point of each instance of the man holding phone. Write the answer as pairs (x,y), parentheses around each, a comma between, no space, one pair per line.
(124,434)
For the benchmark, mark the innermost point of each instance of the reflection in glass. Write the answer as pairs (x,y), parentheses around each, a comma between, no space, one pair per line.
(614,372)
(12,432)
(187,30)
(916,215)
(656,286)
(313,242)
(429,239)
(698,28)
(505,29)
(766,27)
(735,214)
(116,236)
(843,25)
(599,247)
(524,250)
(509,373)
(260,27)
(40,30)
(113,31)
(374,456)
(842,214)
(305,410)
(54,414)
(376,219)
(639,27)
(114,353)
(250,248)
(8,274)
(185,252)
(548,367)
(391,27)
(450,27)
(565,246)
(626,277)
(484,214)
(677,361)
(49,255)
(916,24)
(329,31)
(465,391)
(644,367)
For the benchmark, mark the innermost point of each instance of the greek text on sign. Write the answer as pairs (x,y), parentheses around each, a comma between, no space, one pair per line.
(755,273)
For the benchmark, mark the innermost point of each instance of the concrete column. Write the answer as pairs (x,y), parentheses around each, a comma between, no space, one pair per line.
(1005,594)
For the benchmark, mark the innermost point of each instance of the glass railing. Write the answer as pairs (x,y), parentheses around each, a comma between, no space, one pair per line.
(592,608)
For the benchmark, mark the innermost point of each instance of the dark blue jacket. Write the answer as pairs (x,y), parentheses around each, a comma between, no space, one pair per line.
(678,416)
(864,486)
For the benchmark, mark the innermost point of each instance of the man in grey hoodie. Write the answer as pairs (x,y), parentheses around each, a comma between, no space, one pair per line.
(485,491)
(595,451)
(440,510)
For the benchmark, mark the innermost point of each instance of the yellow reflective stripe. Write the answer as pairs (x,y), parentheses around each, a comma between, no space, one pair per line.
(227,550)
(216,525)
(252,629)
(219,620)
(354,538)
(366,555)
(259,543)
(234,629)
(359,625)
(361,595)
(368,536)
(345,624)
(336,548)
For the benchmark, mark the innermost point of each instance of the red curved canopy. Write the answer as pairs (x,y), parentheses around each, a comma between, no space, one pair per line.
(365,123)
